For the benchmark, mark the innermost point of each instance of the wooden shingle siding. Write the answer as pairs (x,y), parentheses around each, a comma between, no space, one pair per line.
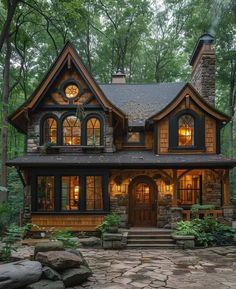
(68,222)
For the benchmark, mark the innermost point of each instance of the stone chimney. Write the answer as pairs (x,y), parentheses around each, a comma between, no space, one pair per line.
(118,77)
(203,68)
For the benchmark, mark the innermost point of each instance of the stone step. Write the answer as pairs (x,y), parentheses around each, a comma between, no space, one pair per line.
(151,241)
(159,246)
(135,236)
(149,232)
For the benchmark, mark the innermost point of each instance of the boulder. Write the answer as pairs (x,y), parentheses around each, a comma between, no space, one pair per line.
(186,261)
(59,260)
(112,237)
(90,242)
(51,274)
(46,284)
(76,276)
(19,274)
(48,246)
(78,253)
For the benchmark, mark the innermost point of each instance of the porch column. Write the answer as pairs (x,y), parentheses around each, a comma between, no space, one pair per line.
(175,189)
(226,189)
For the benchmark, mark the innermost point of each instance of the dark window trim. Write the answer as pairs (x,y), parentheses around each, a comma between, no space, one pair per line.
(62,118)
(42,120)
(139,129)
(84,127)
(199,131)
(68,82)
(57,174)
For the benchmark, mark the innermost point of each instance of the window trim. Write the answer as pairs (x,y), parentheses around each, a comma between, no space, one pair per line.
(58,174)
(135,129)
(43,119)
(84,128)
(65,84)
(62,119)
(199,131)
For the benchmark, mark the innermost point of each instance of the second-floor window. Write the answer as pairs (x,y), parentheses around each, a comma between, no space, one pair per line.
(93,131)
(186,130)
(71,131)
(50,130)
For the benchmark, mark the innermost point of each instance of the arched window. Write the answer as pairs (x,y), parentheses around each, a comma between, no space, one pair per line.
(186,130)
(71,131)
(93,131)
(50,130)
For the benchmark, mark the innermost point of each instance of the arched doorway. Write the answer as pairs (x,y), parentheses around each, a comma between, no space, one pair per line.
(142,202)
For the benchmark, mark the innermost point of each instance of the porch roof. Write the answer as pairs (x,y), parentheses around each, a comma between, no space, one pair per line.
(124,159)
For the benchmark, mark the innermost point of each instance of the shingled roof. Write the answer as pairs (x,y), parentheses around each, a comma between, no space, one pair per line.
(140,101)
(129,159)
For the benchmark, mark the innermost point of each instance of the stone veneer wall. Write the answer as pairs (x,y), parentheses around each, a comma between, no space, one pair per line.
(211,189)
(33,136)
(203,78)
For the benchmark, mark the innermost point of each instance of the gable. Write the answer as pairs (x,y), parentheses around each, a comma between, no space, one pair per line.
(67,66)
(189,95)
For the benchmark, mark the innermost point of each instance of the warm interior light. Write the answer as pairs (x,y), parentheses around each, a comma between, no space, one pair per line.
(118,188)
(146,190)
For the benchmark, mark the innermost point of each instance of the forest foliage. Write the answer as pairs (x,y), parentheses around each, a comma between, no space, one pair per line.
(150,40)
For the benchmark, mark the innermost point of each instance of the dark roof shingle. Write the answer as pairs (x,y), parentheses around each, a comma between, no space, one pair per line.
(141,101)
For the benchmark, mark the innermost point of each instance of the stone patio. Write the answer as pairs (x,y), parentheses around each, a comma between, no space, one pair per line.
(213,268)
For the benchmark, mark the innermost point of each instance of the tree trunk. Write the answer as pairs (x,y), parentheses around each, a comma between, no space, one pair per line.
(4,131)
(11,7)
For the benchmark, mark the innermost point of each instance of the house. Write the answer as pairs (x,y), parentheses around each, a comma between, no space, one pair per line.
(146,151)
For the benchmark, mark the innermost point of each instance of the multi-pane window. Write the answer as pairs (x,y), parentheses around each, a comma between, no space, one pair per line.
(142,193)
(186,130)
(94,199)
(70,193)
(93,131)
(189,189)
(45,193)
(50,130)
(71,131)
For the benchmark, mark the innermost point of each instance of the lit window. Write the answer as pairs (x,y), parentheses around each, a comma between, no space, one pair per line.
(186,130)
(93,131)
(71,90)
(142,193)
(133,137)
(94,199)
(45,192)
(71,131)
(189,189)
(50,130)
(70,193)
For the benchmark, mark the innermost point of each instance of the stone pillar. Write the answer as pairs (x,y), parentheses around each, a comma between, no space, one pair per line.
(26,216)
(228,213)
(176,216)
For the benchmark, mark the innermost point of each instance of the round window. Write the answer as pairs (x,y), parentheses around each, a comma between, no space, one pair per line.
(71,90)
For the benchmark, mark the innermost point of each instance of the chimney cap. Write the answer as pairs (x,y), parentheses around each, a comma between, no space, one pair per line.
(205,38)
(118,77)
(119,72)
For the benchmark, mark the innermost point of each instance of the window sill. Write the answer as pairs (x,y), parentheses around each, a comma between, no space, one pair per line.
(173,149)
(69,148)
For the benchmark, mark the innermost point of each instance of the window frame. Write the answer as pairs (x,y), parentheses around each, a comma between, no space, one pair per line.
(42,121)
(199,131)
(62,119)
(138,129)
(84,128)
(58,174)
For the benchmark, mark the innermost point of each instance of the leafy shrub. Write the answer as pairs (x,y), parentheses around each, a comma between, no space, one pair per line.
(9,214)
(112,220)
(207,232)
(14,233)
(65,237)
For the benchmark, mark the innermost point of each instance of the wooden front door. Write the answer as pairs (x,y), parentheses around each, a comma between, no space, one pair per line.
(142,202)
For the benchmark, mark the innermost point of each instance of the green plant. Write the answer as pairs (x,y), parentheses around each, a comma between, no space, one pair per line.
(207,231)
(80,114)
(14,233)
(65,237)
(195,208)
(112,220)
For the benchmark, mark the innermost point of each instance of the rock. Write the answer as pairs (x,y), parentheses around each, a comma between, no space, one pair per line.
(112,237)
(59,260)
(48,246)
(19,274)
(78,253)
(46,284)
(76,276)
(51,274)
(187,261)
(90,242)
